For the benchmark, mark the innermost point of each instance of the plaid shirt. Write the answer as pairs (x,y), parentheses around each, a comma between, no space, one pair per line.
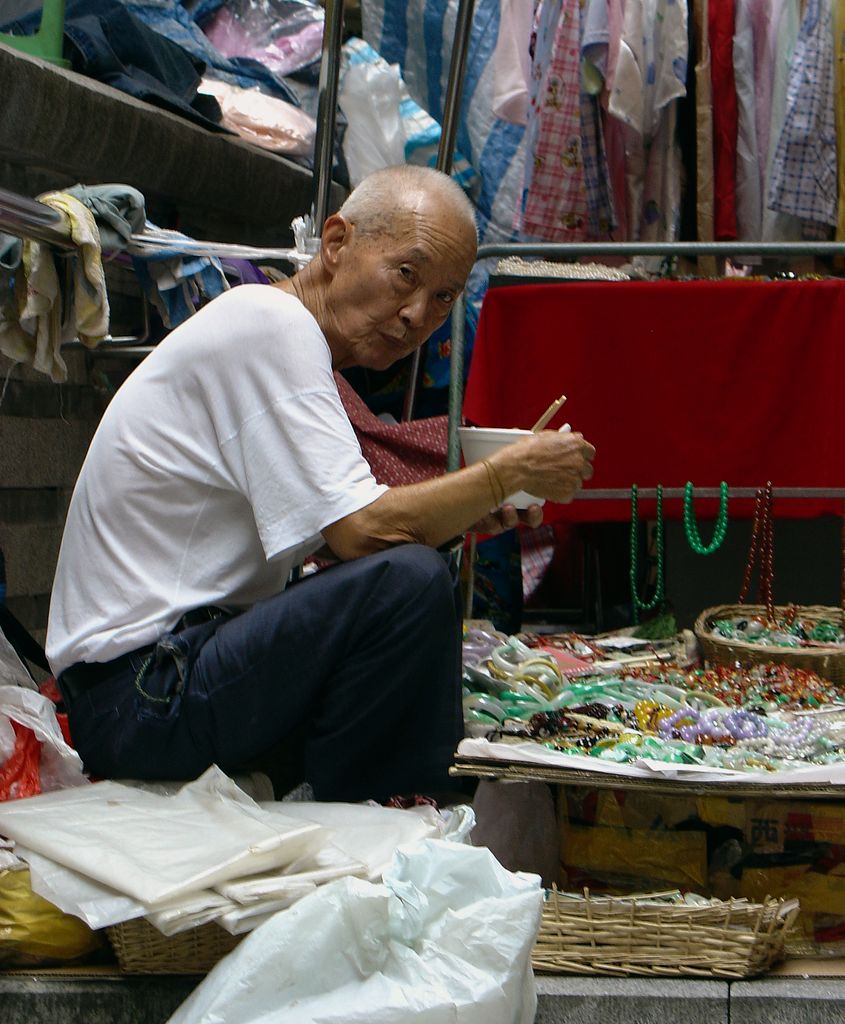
(803,174)
(554,194)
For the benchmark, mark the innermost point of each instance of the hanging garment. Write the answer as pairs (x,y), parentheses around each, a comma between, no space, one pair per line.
(31,328)
(839,86)
(178,284)
(704,135)
(803,181)
(595,31)
(511,61)
(650,74)
(749,204)
(615,132)
(765,18)
(778,226)
(554,195)
(725,117)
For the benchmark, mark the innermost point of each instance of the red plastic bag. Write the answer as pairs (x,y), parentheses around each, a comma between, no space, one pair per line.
(49,688)
(20,775)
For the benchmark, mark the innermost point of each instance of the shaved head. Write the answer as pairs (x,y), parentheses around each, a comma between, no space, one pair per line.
(382,200)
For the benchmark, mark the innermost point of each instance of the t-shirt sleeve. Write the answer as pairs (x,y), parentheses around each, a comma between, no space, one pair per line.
(295,457)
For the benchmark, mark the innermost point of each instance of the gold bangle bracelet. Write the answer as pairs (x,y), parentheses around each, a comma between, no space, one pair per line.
(494,481)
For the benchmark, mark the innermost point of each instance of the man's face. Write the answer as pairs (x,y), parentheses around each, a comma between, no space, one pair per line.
(391,292)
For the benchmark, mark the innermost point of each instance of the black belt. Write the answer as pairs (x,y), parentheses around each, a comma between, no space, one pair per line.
(85,675)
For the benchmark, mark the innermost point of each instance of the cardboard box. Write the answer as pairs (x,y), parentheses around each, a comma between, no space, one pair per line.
(624,841)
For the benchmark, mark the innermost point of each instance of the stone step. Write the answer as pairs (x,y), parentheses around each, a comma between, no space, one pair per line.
(104,996)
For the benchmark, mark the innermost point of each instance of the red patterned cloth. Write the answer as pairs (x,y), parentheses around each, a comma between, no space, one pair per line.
(398,453)
(674,381)
(725,117)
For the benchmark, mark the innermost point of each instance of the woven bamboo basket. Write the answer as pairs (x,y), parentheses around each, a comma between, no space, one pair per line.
(624,936)
(141,948)
(828,662)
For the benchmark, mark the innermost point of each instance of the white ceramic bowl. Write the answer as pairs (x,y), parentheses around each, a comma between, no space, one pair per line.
(481,442)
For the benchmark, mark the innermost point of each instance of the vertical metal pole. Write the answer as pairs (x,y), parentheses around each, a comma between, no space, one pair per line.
(326,113)
(455,87)
(456,383)
(445,152)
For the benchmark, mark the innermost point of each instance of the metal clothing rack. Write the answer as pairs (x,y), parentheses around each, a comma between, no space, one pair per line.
(23,217)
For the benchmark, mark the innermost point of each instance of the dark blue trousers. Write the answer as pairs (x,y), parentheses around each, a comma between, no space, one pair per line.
(350,678)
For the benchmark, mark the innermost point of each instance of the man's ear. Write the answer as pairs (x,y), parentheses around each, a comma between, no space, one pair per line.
(337,232)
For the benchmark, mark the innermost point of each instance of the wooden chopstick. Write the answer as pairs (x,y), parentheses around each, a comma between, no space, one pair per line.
(547,415)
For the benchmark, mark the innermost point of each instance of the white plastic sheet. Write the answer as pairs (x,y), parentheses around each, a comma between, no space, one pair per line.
(361,833)
(153,847)
(331,841)
(74,893)
(446,939)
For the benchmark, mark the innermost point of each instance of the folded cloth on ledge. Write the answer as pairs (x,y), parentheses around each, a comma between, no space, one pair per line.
(31,328)
(112,44)
(176,284)
(265,121)
(118,211)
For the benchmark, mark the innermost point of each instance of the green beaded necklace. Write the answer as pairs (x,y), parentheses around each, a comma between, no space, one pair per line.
(637,604)
(691,528)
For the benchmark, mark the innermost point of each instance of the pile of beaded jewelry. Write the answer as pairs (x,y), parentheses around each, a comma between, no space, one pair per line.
(789,631)
(764,718)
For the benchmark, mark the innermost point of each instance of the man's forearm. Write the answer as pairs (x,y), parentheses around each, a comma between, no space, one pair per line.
(549,464)
(431,512)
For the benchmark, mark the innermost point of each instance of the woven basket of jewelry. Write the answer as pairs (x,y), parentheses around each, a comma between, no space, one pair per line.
(809,637)
(661,934)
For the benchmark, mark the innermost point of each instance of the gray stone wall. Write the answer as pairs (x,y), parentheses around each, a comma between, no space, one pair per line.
(45,430)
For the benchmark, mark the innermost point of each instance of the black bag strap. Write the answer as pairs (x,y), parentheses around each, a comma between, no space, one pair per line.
(25,645)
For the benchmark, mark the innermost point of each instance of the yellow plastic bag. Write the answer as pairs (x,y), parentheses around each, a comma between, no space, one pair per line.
(33,931)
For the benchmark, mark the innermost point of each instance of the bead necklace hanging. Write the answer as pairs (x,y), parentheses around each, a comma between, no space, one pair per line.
(762,545)
(767,568)
(637,604)
(754,546)
(842,583)
(691,528)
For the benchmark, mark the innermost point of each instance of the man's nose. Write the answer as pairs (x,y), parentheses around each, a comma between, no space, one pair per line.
(413,314)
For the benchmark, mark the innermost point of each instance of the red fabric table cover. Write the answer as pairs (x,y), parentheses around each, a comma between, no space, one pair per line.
(674,381)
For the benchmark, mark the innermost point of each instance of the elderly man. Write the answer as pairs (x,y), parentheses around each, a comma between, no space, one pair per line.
(223,461)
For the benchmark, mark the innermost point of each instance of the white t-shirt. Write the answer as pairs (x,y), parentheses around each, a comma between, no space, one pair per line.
(211,474)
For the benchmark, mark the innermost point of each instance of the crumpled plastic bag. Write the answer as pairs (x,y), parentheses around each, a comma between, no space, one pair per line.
(34,757)
(369,98)
(446,939)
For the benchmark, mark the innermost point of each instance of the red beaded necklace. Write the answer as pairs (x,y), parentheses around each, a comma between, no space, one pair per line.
(762,545)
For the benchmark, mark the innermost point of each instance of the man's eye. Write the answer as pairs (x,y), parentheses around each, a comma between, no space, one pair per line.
(446,297)
(407,273)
